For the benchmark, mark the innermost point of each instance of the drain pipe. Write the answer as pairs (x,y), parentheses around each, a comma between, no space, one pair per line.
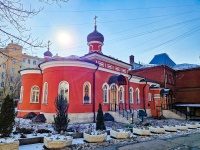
(129,92)
(94,94)
(144,98)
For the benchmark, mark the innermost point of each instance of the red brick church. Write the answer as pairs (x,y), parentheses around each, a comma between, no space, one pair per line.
(85,82)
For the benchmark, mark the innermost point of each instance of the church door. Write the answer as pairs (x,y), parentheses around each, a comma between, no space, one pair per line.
(113,97)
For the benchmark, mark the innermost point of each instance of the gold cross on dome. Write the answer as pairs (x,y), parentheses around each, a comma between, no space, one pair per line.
(48,45)
(95,21)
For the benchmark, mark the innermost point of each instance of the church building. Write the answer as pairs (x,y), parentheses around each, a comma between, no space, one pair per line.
(85,82)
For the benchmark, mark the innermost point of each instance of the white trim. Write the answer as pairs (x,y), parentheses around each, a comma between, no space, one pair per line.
(104,58)
(95,42)
(28,110)
(122,93)
(67,63)
(112,71)
(21,94)
(43,102)
(131,88)
(67,89)
(22,72)
(105,84)
(137,95)
(89,92)
(32,93)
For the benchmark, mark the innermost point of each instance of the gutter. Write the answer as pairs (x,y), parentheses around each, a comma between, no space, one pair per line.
(129,91)
(144,96)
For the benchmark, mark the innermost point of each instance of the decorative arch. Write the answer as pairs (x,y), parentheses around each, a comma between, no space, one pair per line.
(137,96)
(63,89)
(87,93)
(121,94)
(105,88)
(45,93)
(35,91)
(21,94)
(131,96)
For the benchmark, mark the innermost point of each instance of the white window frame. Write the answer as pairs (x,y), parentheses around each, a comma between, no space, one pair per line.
(21,94)
(36,95)
(34,62)
(66,96)
(105,91)
(45,92)
(137,95)
(121,100)
(131,98)
(149,97)
(89,92)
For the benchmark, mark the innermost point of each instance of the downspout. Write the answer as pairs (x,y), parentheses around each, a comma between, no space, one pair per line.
(144,96)
(164,78)
(129,91)
(94,94)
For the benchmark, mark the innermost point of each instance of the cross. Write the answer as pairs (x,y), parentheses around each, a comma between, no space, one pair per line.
(48,45)
(95,21)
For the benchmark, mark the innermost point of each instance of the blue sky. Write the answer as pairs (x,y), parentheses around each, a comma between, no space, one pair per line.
(142,28)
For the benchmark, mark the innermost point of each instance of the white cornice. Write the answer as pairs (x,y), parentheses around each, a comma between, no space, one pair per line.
(67,63)
(112,71)
(106,59)
(30,72)
(95,42)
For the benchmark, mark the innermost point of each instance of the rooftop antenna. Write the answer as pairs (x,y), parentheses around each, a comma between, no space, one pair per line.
(48,45)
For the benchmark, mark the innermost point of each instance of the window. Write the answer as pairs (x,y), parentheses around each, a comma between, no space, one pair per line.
(2,84)
(14,62)
(121,94)
(138,96)
(131,95)
(35,94)
(12,79)
(34,62)
(64,89)
(21,94)
(86,93)
(24,60)
(29,61)
(149,96)
(1,93)
(13,70)
(3,75)
(11,88)
(4,66)
(14,49)
(45,93)
(105,93)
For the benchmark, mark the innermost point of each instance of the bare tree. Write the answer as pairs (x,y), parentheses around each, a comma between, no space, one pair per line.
(13,16)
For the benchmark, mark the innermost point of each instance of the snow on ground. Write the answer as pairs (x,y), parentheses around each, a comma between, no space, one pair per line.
(38,146)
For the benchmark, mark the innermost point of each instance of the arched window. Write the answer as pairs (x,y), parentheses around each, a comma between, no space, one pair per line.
(86,93)
(131,95)
(45,93)
(64,89)
(121,94)
(105,93)
(35,94)
(21,94)
(138,96)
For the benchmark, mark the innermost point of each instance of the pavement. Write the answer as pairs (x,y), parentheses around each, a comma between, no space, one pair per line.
(183,142)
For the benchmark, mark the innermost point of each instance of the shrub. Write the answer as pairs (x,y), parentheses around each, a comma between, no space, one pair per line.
(61,120)
(100,119)
(7,117)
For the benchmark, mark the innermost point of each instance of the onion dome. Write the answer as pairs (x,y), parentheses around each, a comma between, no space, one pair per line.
(48,54)
(95,36)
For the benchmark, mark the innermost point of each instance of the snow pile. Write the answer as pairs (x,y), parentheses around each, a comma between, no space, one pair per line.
(185,66)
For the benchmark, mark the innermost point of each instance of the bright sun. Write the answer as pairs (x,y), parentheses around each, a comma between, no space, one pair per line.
(63,38)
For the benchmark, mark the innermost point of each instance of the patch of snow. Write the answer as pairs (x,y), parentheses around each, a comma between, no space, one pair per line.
(185,66)
(38,146)
(78,141)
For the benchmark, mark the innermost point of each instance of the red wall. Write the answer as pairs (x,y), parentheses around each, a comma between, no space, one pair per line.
(29,80)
